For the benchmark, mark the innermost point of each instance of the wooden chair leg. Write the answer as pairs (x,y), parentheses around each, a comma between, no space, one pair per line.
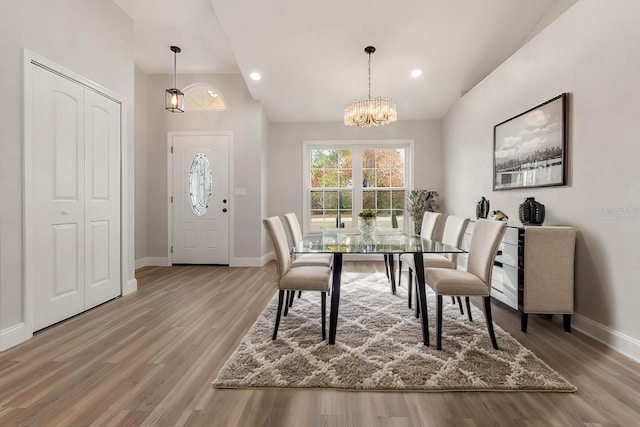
(324,314)
(280,301)
(453,300)
(286,304)
(299,294)
(466,300)
(487,315)
(400,273)
(460,305)
(438,322)
(410,286)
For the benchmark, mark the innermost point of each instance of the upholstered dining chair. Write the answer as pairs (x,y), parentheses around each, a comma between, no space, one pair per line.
(476,280)
(303,260)
(321,259)
(427,231)
(302,278)
(452,234)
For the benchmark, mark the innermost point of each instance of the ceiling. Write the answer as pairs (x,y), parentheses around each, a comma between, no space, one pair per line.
(311,54)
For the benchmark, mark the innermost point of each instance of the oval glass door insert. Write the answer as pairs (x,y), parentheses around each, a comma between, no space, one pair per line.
(200,183)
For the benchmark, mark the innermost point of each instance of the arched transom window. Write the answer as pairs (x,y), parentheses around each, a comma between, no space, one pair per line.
(203,97)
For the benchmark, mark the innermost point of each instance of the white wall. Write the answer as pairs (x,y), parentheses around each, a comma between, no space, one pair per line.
(141,164)
(285,156)
(593,52)
(93,39)
(244,118)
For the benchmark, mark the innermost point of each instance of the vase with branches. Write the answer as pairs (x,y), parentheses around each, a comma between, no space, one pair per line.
(419,202)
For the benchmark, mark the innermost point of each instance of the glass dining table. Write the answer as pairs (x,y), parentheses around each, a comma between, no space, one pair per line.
(383,243)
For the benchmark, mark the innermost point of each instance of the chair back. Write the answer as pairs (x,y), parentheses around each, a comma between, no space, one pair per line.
(429,222)
(486,238)
(453,231)
(279,237)
(294,228)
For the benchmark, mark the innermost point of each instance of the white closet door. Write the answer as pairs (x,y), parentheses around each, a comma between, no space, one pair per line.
(102,199)
(58,223)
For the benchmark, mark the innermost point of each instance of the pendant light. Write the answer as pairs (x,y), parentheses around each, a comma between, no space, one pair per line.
(174,98)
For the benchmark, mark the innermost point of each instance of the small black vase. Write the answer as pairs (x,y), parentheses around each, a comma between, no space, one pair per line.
(482,208)
(531,212)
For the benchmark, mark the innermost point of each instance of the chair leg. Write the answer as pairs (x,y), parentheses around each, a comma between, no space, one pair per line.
(386,265)
(466,300)
(453,300)
(400,273)
(280,301)
(299,294)
(460,305)
(286,304)
(323,296)
(438,322)
(410,286)
(487,315)
(415,287)
(293,294)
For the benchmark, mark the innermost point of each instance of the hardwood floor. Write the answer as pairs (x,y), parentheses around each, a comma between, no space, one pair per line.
(149,359)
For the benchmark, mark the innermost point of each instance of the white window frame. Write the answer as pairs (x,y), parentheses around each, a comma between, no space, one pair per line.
(406,144)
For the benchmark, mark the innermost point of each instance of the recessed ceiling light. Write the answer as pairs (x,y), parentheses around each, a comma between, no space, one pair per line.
(255,76)
(416,73)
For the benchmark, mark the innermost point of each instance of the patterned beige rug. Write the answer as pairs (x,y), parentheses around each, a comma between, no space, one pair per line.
(378,347)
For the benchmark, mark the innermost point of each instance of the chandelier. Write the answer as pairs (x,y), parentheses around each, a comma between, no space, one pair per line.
(369,111)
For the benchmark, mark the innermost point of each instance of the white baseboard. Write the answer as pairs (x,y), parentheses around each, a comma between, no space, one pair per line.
(13,336)
(155,261)
(130,287)
(252,262)
(618,341)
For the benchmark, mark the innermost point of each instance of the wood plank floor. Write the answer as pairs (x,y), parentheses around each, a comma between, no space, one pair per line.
(149,359)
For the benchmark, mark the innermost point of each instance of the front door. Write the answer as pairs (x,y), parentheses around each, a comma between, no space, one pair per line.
(200,208)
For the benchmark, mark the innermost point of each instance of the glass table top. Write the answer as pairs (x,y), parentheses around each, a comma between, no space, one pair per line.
(381,243)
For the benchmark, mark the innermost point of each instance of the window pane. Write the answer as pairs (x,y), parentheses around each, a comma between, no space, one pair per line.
(383,178)
(331,200)
(368,178)
(345,178)
(317,178)
(331,178)
(384,200)
(345,201)
(316,200)
(397,178)
(369,200)
(344,159)
(369,159)
(397,200)
(384,158)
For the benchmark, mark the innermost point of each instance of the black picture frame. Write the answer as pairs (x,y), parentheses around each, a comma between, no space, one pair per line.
(530,149)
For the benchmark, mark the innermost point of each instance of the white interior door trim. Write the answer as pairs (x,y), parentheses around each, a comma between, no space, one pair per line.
(126,217)
(170,136)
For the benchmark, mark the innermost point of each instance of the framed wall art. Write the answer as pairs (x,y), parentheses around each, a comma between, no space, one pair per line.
(529,150)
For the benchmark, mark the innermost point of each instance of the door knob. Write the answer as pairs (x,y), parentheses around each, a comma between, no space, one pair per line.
(224,209)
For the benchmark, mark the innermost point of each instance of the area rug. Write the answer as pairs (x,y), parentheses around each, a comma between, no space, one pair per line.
(379,347)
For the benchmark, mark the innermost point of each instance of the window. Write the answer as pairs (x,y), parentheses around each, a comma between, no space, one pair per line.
(344,178)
